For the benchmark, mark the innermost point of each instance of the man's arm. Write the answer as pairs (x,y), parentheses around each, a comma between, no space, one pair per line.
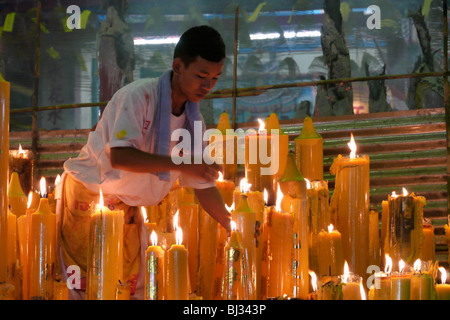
(211,200)
(134,160)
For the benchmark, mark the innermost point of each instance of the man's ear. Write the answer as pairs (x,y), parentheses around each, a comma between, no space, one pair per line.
(177,65)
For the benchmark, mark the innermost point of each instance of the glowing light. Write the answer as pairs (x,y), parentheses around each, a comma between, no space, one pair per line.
(394,195)
(308,184)
(346,273)
(57,180)
(401,265)
(443,275)
(352,146)
(264,36)
(43,187)
(100,202)
(417,265)
(179,236)
(361,290)
(313,280)
(388,266)
(244,186)
(154,238)
(279,197)
(20,151)
(30,199)
(220,176)
(262,126)
(230,209)
(175,221)
(266,196)
(233,225)
(153,41)
(405,192)
(144,213)
(330,228)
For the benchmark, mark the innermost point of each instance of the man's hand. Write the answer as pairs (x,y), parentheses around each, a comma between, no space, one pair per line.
(211,200)
(209,172)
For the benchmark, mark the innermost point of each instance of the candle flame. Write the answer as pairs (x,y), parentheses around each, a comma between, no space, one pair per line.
(233,225)
(401,265)
(154,238)
(330,228)
(443,275)
(21,151)
(144,213)
(361,290)
(417,265)
(388,266)
(43,186)
(30,199)
(230,209)
(262,126)
(313,280)
(244,186)
(308,184)
(220,176)
(100,202)
(57,180)
(175,221)
(352,146)
(394,195)
(346,272)
(266,196)
(179,236)
(279,197)
(405,192)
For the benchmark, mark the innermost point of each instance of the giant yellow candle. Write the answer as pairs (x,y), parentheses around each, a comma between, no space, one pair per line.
(384,228)
(17,199)
(206,250)
(42,250)
(177,270)
(309,152)
(253,143)
(279,251)
(105,253)
(219,263)
(154,270)
(188,215)
(350,201)
(273,128)
(245,219)
(4,167)
(317,196)
(331,259)
(443,289)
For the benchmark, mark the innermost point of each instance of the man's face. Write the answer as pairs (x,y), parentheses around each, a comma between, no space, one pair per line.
(198,79)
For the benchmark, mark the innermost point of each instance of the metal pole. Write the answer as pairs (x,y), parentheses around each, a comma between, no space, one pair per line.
(236,25)
(446,97)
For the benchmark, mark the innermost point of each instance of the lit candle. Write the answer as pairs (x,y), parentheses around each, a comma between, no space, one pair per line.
(350,201)
(51,195)
(226,188)
(331,259)
(309,152)
(245,220)
(405,236)
(177,270)
(318,208)
(279,264)
(422,286)
(313,295)
(22,162)
(105,252)
(236,276)
(352,288)
(154,270)
(42,249)
(149,226)
(188,217)
(17,199)
(443,289)
(401,283)
(4,167)
(382,290)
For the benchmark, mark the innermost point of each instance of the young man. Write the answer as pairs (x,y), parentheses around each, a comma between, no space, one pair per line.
(128,156)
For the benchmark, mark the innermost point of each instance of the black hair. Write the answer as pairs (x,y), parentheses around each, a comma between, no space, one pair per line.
(202,41)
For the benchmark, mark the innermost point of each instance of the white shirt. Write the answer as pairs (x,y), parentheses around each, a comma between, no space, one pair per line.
(127,121)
